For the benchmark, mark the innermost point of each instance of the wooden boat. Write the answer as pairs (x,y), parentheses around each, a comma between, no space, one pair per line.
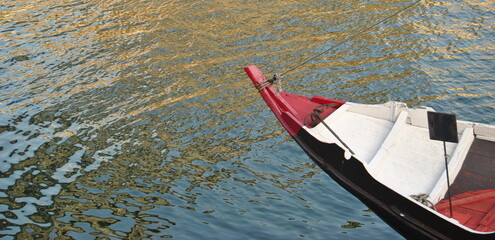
(383,155)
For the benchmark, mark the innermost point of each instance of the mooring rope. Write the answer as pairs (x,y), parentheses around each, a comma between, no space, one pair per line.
(262,85)
(423,199)
(346,39)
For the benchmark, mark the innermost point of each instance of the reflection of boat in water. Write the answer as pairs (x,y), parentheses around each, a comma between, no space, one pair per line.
(383,155)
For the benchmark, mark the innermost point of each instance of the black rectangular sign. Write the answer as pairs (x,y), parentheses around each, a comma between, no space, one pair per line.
(442,126)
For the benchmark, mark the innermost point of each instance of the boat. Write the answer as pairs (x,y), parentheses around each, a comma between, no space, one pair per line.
(385,155)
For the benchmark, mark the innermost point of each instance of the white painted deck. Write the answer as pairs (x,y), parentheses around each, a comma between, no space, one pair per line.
(393,143)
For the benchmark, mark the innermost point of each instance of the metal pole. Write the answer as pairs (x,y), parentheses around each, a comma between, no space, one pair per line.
(334,134)
(448,180)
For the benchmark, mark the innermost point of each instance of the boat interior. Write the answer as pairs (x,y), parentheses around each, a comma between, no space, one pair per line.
(393,143)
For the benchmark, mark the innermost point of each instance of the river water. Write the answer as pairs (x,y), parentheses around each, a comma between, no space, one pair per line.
(128,119)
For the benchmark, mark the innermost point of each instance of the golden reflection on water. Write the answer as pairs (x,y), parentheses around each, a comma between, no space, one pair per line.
(130,116)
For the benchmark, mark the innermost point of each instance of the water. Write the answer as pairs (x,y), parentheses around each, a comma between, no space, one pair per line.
(134,119)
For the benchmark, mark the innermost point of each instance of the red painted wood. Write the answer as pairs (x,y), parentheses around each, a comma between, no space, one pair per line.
(475,210)
(487,224)
(290,109)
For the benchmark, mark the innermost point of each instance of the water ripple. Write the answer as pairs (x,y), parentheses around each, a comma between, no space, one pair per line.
(133,119)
